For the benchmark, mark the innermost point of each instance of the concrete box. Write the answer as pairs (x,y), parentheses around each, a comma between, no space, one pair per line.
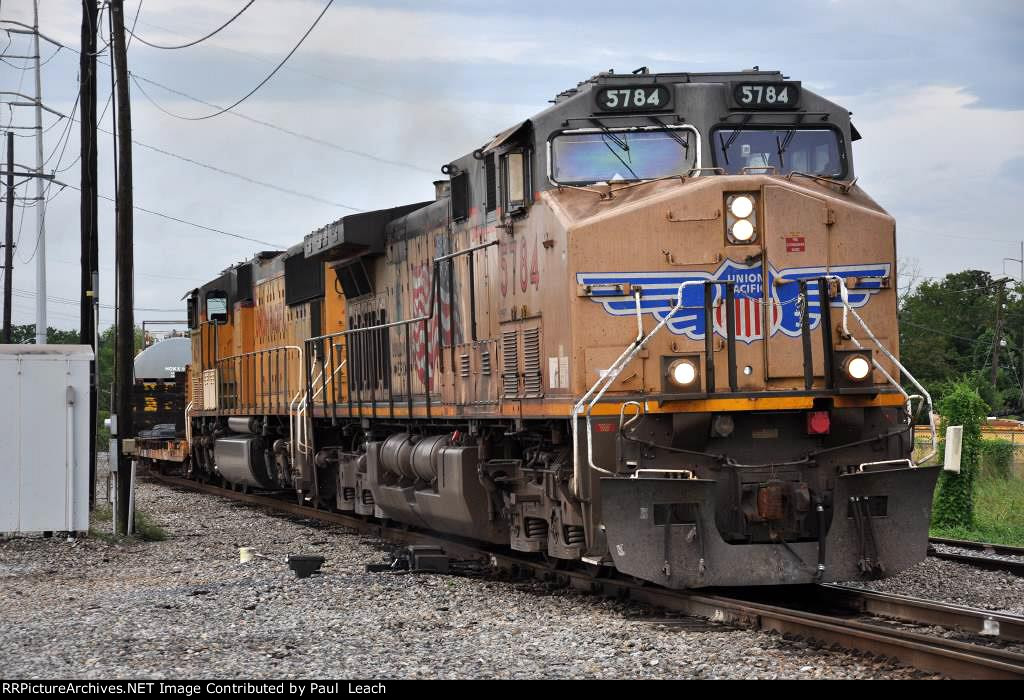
(44,438)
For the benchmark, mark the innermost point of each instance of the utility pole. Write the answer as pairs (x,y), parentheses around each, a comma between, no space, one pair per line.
(1020,289)
(9,239)
(998,331)
(89,221)
(125,352)
(40,193)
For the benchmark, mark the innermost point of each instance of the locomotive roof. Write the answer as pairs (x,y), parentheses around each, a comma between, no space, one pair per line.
(705,100)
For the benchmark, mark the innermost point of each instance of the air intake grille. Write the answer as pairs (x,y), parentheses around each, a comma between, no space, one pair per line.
(463,366)
(509,364)
(533,385)
(197,390)
(485,362)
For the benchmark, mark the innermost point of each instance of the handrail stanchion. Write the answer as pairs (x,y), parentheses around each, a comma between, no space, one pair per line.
(825,309)
(730,332)
(709,339)
(334,411)
(805,336)
(408,371)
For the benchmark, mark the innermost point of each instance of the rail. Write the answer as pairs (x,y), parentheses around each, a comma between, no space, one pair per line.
(928,652)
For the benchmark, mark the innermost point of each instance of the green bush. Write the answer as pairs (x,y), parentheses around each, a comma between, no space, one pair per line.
(954,503)
(997,458)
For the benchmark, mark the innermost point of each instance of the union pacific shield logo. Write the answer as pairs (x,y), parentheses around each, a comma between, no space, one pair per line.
(757,314)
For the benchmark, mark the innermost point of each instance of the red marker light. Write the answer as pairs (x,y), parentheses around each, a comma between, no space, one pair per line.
(818,422)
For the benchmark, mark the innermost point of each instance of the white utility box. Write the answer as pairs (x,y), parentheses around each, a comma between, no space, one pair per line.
(44,438)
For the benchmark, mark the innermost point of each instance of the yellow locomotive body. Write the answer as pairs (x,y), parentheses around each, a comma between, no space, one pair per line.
(652,327)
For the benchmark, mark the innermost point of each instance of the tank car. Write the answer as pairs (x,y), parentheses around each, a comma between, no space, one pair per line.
(651,327)
(158,402)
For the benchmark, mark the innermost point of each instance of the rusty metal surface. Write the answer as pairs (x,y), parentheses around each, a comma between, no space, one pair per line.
(936,654)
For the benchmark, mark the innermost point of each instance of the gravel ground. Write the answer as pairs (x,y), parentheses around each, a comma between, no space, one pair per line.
(957,583)
(186,608)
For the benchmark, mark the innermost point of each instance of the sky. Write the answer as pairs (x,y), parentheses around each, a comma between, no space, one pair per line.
(382,93)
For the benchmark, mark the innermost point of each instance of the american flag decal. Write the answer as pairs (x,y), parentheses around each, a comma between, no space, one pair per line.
(780,312)
(444,327)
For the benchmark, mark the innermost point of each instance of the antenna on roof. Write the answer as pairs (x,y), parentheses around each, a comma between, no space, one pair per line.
(642,70)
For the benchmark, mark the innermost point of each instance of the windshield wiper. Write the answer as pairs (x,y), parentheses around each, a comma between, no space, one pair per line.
(607,132)
(732,137)
(783,145)
(624,163)
(676,137)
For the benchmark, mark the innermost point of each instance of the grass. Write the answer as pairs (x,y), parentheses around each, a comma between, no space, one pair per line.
(145,529)
(998,514)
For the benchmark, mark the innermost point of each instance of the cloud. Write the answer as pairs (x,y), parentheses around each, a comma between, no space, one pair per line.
(936,161)
(937,90)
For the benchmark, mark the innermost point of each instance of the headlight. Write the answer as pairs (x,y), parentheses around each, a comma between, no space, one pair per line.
(682,372)
(740,218)
(741,206)
(857,368)
(742,230)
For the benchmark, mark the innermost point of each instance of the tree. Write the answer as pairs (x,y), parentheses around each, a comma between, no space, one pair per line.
(954,504)
(105,362)
(947,332)
(27,334)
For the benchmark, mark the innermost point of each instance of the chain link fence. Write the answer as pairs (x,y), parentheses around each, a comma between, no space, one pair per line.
(922,445)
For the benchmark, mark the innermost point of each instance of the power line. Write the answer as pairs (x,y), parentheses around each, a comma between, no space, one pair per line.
(285,130)
(251,92)
(75,302)
(191,223)
(193,43)
(942,292)
(241,176)
(938,332)
(270,125)
(191,280)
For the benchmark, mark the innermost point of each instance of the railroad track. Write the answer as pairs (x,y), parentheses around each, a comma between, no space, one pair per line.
(988,556)
(846,628)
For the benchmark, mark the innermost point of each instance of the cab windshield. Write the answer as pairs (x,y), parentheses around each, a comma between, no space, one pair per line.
(587,156)
(811,151)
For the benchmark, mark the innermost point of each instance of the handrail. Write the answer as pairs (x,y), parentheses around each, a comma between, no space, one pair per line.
(431,313)
(844,297)
(188,425)
(598,389)
(430,304)
(237,367)
(608,379)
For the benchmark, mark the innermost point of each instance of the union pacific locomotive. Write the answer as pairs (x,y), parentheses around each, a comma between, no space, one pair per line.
(652,327)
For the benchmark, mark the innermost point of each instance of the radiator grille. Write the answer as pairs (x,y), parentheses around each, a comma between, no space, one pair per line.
(197,391)
(509,364)
(533,385)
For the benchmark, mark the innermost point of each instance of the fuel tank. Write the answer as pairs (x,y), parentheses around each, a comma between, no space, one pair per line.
(242,460)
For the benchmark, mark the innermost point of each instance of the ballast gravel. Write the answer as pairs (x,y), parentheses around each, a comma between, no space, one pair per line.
(186,608)
(953,582)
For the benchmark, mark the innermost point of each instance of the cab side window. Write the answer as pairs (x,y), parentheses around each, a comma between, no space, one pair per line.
(515,180)
(217,307)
